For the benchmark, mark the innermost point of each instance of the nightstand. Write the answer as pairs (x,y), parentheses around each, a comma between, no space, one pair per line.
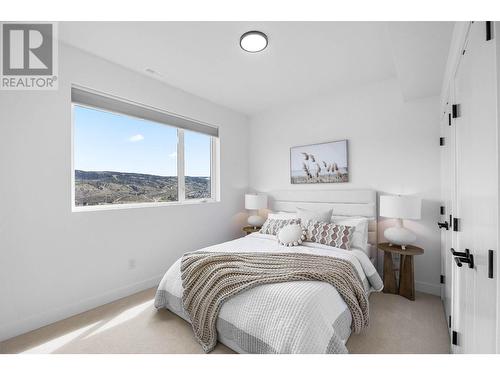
(250,229)
(406,273)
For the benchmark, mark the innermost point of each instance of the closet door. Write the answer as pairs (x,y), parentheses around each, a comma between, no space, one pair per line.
(448,183)
(458,289)
(476,193)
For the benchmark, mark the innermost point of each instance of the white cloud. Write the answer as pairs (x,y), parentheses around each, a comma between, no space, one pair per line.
(173,155)
(136,138)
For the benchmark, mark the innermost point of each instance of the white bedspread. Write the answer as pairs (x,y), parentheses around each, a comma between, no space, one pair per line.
(288,317)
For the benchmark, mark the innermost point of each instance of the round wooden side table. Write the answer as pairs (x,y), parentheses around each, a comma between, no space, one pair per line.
(406,286)
(250,229)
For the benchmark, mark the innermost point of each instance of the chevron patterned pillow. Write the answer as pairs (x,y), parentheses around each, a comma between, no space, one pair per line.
(272,226)
(329,234)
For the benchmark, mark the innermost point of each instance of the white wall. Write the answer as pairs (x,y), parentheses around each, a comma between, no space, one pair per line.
(55,263)
(393,147)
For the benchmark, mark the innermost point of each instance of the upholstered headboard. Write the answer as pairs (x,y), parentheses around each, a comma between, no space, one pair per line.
(342,202)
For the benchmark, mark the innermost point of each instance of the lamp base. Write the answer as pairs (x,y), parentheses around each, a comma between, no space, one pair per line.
(255,221)
(400,236)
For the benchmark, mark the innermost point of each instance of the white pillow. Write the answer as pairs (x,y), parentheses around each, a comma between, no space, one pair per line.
(282,215)
(306,215)
(291,235)
(360,235)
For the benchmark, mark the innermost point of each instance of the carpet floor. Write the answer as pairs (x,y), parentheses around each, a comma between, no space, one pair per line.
(132,325)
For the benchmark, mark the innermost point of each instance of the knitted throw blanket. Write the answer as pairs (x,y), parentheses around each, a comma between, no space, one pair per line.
(210,278)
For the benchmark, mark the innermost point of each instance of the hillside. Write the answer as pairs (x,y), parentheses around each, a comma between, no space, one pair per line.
(106,187)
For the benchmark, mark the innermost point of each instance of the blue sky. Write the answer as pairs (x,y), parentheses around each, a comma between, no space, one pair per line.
(109,142)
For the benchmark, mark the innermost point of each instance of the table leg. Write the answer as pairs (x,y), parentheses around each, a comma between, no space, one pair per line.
(401,261)
(406,278)
(389,275)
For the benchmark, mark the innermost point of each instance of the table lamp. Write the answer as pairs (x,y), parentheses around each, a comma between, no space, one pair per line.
(400,207)
(255,202)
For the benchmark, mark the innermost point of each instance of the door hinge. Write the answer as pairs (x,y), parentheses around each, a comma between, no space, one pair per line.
(449,119)
(441,279)
(488,30)
(455,110)
(490,264)
(456,224)
(441,141)
(454,337)
(449,321)
(442,210)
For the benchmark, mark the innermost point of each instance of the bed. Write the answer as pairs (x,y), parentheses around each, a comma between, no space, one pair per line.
(289,317)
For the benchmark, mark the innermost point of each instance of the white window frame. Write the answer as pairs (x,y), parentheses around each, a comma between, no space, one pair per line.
(181,191)
(214,170)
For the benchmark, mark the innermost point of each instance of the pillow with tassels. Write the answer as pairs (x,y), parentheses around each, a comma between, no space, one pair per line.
(291,235)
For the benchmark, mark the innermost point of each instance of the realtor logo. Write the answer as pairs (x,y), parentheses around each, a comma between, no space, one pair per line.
(29,56)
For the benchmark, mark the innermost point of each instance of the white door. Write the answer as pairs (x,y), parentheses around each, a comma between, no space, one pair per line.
(448,183)
(457,278)
(476,203)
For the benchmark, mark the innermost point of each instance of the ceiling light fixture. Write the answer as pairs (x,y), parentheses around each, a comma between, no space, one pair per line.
(253,41)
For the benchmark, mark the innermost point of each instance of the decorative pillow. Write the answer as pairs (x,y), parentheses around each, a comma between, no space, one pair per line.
(360,235)
(291,235)
(272,226)
(306,215)
(329,234)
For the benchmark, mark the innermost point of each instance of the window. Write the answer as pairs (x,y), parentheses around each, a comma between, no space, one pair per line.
(197,159)
(126,154)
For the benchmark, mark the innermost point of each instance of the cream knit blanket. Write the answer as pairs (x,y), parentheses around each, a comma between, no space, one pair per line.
(210,278)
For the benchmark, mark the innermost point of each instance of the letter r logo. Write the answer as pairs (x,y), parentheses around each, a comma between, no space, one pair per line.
(27,49)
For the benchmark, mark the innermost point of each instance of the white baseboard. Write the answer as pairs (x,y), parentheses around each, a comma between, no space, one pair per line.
(429,288)
(51,316)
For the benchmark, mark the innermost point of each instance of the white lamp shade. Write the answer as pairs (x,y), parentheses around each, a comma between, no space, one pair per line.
(255,201)
(400,206)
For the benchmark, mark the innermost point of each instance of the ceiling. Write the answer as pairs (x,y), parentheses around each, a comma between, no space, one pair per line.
(302,58)
(420,51)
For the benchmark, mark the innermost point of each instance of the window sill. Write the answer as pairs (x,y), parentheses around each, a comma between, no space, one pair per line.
(109,207)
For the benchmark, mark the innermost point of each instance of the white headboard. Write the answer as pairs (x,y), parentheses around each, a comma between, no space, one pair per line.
(342,202)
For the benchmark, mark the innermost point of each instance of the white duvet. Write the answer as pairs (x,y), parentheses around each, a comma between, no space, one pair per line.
(288,317)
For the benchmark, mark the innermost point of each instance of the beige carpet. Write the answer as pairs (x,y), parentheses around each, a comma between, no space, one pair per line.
(132,325)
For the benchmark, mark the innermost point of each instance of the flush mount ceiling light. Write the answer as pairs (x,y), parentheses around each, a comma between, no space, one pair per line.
(253,41)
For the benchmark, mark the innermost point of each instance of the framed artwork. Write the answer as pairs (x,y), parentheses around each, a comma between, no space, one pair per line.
(319,163)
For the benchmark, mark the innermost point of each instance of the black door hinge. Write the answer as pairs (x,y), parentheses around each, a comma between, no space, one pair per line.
(456,223)
(441,141)
(488,30)
(449,321)
(490,264)
(454,337)
(441,279)
(449,119)
(442,210)
(455,110)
